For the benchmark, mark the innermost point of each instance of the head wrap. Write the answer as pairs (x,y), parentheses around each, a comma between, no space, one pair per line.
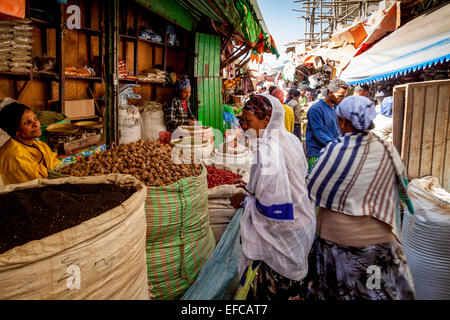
(386,106)
(359,110)
(279,94)
(10,117)
(259,105)
(183,84)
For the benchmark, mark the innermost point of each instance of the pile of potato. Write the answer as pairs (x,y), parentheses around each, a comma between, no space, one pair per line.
(147,160)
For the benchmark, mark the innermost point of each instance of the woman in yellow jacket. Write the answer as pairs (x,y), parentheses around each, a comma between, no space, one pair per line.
(288,111)
(22,157)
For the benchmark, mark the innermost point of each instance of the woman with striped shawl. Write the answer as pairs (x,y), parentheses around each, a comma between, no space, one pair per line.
(358,182)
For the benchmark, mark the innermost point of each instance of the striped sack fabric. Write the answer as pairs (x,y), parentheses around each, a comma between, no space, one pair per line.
(361,175)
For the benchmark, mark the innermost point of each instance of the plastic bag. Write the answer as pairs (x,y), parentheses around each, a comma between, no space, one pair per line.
(20,58)
(6,36)
(19,33)
(23,27)
(5,50)
(21,46)
(47,63)
(20,64)
(4,68)
(6,43)
(19,52)
(171,36)
(20,39)
(6,29)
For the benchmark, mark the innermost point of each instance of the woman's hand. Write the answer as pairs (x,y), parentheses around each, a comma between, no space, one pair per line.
(237,199)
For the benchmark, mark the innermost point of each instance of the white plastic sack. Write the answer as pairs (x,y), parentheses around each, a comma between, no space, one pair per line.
(426,239)
(152,124)
(130,123)
(220,209)
(191,150)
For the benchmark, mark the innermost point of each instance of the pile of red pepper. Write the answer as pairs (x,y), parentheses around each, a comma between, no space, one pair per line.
(217,177)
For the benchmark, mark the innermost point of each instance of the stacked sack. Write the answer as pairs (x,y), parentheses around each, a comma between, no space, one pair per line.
(16,45)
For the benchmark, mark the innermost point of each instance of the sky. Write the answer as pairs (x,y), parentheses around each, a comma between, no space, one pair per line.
(283,25)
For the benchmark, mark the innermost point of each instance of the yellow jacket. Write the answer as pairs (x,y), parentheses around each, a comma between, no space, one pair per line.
(20,162)
(288,118)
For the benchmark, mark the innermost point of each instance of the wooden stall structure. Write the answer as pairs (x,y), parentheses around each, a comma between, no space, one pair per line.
(141,55)
(49,90)
(421,129)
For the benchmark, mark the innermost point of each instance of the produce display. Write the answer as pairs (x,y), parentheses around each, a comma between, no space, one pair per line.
(149,106)
(49,117)
(217,177)
(147,160)
(35,213)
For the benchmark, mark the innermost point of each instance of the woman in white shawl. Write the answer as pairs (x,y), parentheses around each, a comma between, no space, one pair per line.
(278,223)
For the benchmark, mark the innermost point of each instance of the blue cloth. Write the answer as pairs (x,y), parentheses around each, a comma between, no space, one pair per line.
(386,106)
(359,110)
(184,83)
(322,128)
(218,278)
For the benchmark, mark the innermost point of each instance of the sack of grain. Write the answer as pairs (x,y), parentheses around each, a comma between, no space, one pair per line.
(100,258)
(179,236)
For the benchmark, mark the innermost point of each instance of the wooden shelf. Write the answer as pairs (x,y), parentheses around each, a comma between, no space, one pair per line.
(126,37)
(89,30)
(159,44)
(143,82)
(46,76)
(99,79)
(43,22)
(16,75)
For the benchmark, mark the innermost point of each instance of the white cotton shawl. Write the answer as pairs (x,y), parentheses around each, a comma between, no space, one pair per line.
(283,238)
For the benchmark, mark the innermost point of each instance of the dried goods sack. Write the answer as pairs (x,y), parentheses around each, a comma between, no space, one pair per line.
(101,258)
(220,209)
(179,236)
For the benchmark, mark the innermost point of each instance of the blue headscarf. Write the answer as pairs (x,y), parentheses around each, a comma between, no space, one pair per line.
(183,84)
(386,106)
(359,110)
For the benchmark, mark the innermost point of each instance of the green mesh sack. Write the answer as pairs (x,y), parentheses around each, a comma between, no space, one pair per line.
(179,237)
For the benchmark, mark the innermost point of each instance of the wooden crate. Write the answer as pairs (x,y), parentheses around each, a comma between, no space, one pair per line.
(421,129)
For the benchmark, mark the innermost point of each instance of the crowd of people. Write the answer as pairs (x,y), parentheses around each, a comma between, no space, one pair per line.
(317,220)
(325,223)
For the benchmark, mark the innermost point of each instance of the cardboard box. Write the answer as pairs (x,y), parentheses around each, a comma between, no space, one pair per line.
(79,109)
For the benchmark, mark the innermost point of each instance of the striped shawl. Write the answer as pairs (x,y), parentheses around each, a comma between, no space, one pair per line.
(361,175)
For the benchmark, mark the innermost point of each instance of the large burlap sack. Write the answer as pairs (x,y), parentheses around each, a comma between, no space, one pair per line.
(220,209)
(101,258)
(179,236)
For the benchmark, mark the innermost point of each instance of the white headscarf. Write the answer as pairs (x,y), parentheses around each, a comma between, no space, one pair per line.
(278,223)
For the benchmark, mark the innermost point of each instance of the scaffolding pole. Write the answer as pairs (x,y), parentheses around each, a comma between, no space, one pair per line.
(322,17)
